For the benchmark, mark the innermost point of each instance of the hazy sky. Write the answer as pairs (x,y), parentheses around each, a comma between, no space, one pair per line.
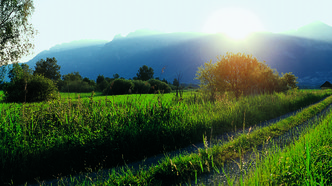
(59,21)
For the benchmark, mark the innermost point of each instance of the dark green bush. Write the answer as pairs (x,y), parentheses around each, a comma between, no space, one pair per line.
(78,86)
(102,85)
(141,87)
(158,86)
(118,87)
(36,88)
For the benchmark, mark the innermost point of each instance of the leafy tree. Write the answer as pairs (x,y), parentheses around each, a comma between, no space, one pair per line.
(141,87)
(35,88)
(73,76)
(118,87)
(116,76)
(18,70)
(144,73)
(89,81)
(49,69)
(288,81)
(3,73)
(16,31)
(158,86)
(240,74)
(73,82)
(100,79)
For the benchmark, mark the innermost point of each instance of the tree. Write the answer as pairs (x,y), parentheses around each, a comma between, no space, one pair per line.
(116,76)
(49,69)
(240,74)
(158,86)
(15,30)
(73,76)
(144,73)
(100,79)
(35,88)
(119,87)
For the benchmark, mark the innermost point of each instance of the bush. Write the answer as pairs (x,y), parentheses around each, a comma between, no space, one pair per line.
(118,87)
(76,86)
(158,86)
(36,88)
(141,87)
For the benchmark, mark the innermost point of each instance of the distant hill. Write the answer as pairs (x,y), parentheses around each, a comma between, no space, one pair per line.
(309,59)
(315,30)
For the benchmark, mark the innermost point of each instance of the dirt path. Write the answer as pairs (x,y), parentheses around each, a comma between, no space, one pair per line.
(207,178)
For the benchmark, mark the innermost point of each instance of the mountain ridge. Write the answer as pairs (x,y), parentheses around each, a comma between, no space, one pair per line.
(185,52)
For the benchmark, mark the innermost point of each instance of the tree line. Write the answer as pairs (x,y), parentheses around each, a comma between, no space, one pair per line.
(42,83)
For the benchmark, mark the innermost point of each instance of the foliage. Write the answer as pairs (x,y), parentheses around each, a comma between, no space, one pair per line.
(118,87)
(158,86)
(76,86)
(73,82)
(33,88)
(49,68)
(100,79)
(16,31)
(242,75)
(71,135)
(73,76)
(144,73)
(141,87)
(18,70)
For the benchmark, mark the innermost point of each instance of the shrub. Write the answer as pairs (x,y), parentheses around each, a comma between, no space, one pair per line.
(118,87)
(141,87)
(36,88)
(158,86)
(78,86)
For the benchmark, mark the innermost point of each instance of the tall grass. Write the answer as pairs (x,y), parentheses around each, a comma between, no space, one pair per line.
(307,161)
(71,135)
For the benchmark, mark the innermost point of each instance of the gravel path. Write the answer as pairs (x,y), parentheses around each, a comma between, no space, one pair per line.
(209,179)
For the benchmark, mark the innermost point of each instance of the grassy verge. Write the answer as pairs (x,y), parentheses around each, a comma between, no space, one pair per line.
(187,166)
(308,161)
(43,140)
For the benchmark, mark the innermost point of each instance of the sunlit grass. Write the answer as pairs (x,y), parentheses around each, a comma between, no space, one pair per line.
(307,161)
(86,133)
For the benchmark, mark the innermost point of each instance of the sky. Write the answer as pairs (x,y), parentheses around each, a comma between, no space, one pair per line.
(61,21)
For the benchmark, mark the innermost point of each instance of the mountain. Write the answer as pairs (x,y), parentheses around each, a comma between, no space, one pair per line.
(78,44)
(315,30)
(172,53)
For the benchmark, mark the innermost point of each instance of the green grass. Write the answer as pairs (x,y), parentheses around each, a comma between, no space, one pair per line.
(187,166)
(307,161)
(85,132)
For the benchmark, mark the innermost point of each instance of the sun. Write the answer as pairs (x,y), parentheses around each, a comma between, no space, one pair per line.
(237,23)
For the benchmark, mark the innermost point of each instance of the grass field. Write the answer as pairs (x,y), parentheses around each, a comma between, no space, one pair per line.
(85,133)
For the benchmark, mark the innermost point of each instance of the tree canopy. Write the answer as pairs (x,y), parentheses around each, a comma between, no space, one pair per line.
(242,74)
(15,30)
(144,73)
(49,69)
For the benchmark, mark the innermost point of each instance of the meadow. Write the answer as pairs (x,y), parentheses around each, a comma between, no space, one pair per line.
(87,132)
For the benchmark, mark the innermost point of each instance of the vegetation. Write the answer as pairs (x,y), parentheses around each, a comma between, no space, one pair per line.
(73,134)
(307,161)
(144,73)
(242,75)
(73,82)
(25,87)
(49,69)
(16,31)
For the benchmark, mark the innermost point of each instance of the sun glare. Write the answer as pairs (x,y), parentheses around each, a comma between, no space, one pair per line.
(234,22)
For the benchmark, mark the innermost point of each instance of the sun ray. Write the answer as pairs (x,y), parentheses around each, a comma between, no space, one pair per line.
(236,23)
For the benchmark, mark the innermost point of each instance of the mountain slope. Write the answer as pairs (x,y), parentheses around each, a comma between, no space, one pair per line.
(184,52)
